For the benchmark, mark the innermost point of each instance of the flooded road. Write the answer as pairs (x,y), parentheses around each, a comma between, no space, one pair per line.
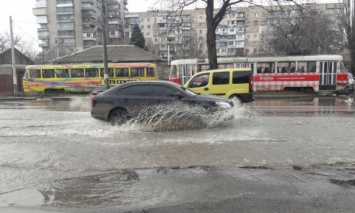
(54,155)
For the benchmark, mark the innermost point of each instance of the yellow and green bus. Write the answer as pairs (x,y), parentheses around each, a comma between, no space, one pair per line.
(83,77)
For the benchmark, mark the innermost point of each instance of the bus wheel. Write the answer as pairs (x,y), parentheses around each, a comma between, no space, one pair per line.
(118,117)
(236,99)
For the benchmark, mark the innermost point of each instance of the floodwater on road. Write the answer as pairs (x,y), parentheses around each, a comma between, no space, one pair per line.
(51,140)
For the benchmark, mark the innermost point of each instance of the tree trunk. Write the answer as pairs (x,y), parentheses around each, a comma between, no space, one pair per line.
(352,63)
(211,36)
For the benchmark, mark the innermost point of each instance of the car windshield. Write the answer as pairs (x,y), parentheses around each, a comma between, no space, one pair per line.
(188,91)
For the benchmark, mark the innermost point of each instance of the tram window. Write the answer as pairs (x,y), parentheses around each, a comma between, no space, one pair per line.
(241,77)
(302,67)
(62,73)
(122,72)
(220,78)
(173,70)
(287,67)
(311,66)
(35,73)
(150,72)
(47,73)
(91,72)
(343,68)
(266,67)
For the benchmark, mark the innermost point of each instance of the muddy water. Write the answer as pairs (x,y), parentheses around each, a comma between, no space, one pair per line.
(50,140)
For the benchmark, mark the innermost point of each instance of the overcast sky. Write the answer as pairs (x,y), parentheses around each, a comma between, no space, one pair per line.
(24,22)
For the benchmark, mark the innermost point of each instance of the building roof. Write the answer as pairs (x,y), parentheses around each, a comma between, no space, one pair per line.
(20,58)
(115,54)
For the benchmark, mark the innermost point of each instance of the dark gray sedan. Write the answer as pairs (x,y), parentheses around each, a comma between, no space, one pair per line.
(129,100)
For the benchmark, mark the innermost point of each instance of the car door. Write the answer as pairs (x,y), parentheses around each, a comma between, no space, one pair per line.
(164,94)
(200,83)
(135,98)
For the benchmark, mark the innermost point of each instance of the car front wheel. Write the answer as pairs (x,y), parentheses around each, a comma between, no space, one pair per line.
(236,99)
(118,117)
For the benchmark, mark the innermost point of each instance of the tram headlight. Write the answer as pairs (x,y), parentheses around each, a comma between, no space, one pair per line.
(223,104)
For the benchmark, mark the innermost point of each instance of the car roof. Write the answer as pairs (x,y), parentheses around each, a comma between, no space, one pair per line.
(227,69)
(160,82)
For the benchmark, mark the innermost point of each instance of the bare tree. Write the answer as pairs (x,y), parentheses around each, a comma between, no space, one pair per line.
(23,46)
(302,30)
(214,16)
(347,23)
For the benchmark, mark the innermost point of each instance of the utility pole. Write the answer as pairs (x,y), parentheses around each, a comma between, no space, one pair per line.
(14,74)
(104,43)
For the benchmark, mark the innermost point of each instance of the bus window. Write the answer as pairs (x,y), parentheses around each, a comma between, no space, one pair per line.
(150,72)
(135,72)
(62,73)
(91,72)
(35,73)
(77,73)
(121,72)
(47,73)
(110,72)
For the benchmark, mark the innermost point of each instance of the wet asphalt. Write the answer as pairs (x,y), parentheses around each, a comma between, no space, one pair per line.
(325,185)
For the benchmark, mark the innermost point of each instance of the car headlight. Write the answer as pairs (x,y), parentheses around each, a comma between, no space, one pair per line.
(223,104)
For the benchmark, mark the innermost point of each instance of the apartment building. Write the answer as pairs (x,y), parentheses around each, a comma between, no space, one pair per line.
(243,31)
(72,25)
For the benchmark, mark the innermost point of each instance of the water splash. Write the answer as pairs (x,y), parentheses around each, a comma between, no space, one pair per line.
(180,116)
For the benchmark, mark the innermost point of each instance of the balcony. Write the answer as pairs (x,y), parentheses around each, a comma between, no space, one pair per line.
(66,36)
(45,44)
(88,15)
(42,30)
(65,12)
(39,11)
(65,20)
(88,7)
(43,37)
(89,39)
(88,1)
(89,22)
(65,4)
(41,3)
(65,28)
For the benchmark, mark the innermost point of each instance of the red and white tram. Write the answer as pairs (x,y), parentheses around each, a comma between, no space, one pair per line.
(273,73)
